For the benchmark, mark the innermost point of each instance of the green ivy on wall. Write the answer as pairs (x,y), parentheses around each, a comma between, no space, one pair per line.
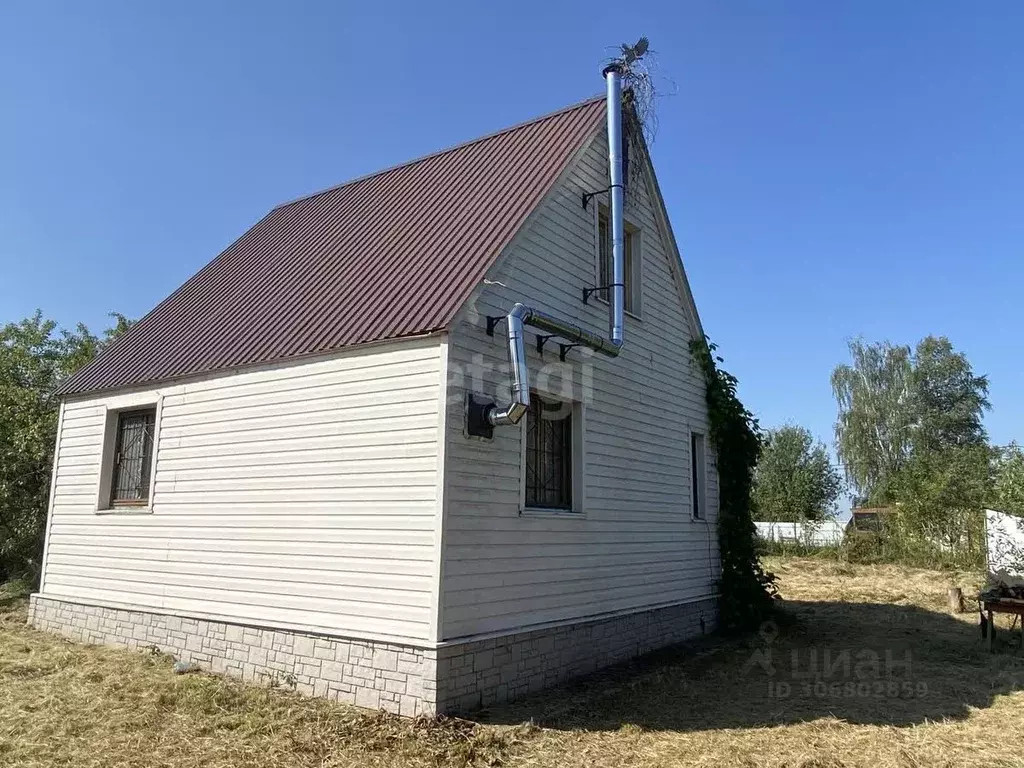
(747,590)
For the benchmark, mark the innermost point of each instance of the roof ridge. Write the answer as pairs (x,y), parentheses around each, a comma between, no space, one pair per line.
(436,153)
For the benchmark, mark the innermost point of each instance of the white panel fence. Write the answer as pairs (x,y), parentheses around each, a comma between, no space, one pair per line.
(1005,538)
(821,534)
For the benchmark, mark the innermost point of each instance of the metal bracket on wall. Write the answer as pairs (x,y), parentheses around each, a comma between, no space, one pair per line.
(563,350)
(588,195)
(493,320)
(541,339)
(588,292)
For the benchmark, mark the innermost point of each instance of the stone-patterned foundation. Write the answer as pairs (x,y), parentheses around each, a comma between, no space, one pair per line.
(485,672)
(376,675)
(455,677)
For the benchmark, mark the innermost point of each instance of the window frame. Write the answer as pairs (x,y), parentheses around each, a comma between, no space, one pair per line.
(577,454)
(114,410)
(145,460)
(698,485)
(634,276)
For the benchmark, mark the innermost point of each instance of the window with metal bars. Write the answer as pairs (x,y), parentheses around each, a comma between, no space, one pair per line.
(133,458)
(604,268)
(549,467)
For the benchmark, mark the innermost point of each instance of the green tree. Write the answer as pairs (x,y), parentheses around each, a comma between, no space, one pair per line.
(795,480)
(942,495)
(910,432)
(1008,486)
(948,400)
(873,437)
(895,403)
(34,358)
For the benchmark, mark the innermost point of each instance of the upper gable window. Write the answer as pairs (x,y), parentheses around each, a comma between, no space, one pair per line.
(631,240)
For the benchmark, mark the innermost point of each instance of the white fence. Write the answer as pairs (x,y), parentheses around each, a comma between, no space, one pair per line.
(821,534)
(1004,535)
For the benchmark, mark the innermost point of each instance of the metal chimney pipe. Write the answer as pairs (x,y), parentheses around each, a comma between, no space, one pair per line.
(616,320)
(515,410)
(522,315)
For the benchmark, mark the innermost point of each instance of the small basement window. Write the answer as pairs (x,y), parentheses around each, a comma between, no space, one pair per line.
(698,476)
(549,454)
(133,458)
(631,242)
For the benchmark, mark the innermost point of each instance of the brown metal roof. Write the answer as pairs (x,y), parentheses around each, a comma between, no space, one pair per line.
(389,255)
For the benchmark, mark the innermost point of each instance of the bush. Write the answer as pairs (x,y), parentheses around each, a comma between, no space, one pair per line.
(791,548)
(891,547)
(35,357)
(877,547)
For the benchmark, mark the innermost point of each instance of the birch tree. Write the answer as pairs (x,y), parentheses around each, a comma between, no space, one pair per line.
(873,430)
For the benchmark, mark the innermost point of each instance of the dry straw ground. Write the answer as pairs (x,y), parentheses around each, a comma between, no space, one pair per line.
(723,704)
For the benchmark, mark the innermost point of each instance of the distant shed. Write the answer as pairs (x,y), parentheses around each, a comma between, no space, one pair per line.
(869,518)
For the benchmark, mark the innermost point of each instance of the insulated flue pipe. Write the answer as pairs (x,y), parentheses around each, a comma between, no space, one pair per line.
(522,315)
(616,310)
(515,410)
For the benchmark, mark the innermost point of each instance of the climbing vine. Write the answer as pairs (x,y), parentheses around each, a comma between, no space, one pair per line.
(747,590)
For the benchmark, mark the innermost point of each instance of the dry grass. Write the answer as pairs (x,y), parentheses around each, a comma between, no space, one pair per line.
(65,704)
(823,580)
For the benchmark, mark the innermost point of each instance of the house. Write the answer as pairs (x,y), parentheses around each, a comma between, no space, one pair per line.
(383,449)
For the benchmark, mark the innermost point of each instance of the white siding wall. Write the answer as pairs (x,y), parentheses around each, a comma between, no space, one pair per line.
(635,544)
(302,496)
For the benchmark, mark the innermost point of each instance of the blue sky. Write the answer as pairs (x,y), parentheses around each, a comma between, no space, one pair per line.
(830,169)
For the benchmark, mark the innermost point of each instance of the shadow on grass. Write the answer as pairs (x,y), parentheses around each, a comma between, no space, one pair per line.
(864,663)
